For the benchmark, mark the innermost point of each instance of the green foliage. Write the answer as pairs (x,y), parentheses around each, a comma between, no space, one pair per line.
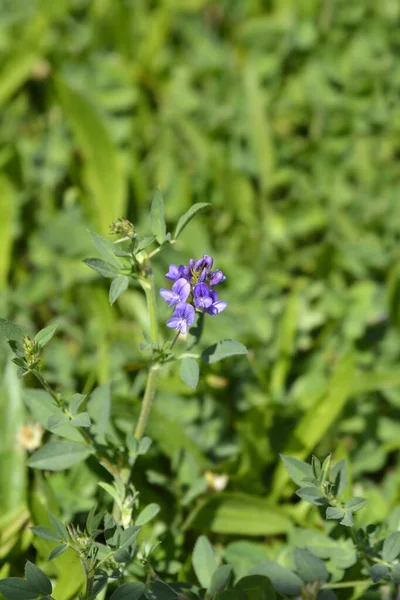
(190,371)
(204,562)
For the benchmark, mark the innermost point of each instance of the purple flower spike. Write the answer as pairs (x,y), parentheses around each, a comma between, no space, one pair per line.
(182,318)
(202,298)
(179,293)
(216,277)
(217,306)
(192,291)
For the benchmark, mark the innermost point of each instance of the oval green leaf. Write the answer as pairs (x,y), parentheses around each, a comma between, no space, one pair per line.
(57,455)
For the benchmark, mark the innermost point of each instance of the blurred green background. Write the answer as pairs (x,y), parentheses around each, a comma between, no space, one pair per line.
(284,114)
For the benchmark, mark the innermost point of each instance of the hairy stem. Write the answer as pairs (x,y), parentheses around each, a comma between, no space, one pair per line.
(148,397)
(150,291)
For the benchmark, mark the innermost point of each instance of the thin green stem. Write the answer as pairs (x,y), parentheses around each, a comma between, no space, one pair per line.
(150,291)
(344,584)
(380,561)
(174,340)
(148,397)
(89,586)
(157,250)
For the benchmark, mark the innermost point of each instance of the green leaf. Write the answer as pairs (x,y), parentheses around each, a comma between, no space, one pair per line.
(144,243)
(118,286)
(59,527)
(128,536)
(355,504)
(42,406)
(47,534)
(396,574)
(129,591)
(283,580)
(103,168)
(106,249)
(333,512)
(102,267)
(188,216)
(378,572)
(325,468)
(256,587)
(391,547)
(309,567)
(81,420)
(37,579)
(147,514)
(100,583)
(99,409)
(75,402)
(190,371)
(11,331)
(244,555)
(316,466)
(347,519)
(55,421)
(112,491)
(222,350)
(14,588)
(57,551)
(220,579)
(338,476)
(93,521)
(144,445)
(204,562)
(45,335)
(297,469)
(236,513)
(158,227)
(122,555)
(58,455)
(312,495)
(166,591)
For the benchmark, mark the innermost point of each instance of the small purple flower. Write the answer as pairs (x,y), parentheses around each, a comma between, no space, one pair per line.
(179,293)
(174,272)
(204,263)
(182,318)
(217,306)
(201,296)
(215,277)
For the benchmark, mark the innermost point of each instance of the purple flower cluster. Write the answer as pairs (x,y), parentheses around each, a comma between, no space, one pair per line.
(193,290)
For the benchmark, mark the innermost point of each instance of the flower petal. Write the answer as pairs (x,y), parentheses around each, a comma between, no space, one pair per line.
(169,296)
(174,322)
(184,326)
(220,306)
(173,273)
(216,277)
(182,289)
(189,314)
